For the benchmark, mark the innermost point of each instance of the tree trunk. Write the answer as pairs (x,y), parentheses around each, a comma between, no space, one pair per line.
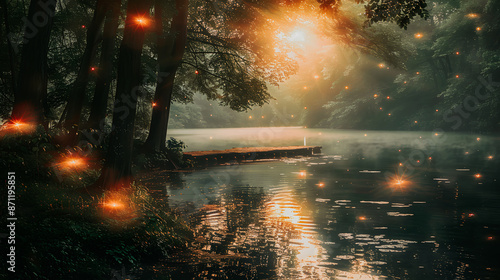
(117,173)
(32,80)
(76,98)
(170,52)
(12,64)
(104,75)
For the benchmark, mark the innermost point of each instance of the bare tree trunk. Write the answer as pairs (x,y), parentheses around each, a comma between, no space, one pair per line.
(104,75)
(76,98)
(32,80)
(12,63)
(170,52)
(117,173)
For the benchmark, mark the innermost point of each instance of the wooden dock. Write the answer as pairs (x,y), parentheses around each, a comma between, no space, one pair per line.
(235,155)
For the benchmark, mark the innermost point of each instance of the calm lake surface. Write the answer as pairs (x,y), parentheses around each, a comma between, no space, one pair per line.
(373,205)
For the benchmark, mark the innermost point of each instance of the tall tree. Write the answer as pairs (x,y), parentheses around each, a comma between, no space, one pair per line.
(105,70)
(77,96)
(171,45)
(32,80)
(117,172)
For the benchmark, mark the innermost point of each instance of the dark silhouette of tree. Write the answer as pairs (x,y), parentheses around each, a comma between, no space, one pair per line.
(170,47)
(77,96)
(32,80)
(117,172)
(105,69)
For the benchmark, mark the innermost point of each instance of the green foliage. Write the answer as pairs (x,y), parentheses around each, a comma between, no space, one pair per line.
(63,233)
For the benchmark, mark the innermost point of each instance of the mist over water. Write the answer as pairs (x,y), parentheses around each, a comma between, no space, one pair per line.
(373,205)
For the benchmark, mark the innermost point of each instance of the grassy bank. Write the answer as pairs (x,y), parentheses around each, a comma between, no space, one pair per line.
(62,232)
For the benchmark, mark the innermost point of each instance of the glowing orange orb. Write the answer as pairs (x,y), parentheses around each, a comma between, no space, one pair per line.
(142,21)
(418,35)
(73,162)
(18,126)
(113,204)
(197,72)
(361,218)
(477,175)
(154,104)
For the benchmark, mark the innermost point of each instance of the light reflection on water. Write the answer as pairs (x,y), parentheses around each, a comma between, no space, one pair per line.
(348,214)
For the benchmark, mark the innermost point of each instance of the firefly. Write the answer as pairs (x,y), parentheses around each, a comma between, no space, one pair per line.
(418,35)
(292,116)
(346,87)
(388,97)
(389,114)
(472,15)
(316,77)
(305,87)
(361,218)
(83,26)
(375,95)
(478,139)
(457,53)
(92,69)
(321,185)
(302,173)
(490,157)
(478,28)
(141,21)
(437,110)
(72,163)
(249,117)
(416,121)
(154,104)
(261,117)
(381,65)
(477,175)
(380,108)
(305,108)
(456,76)
(418,73)
(197,72)
(471,215)
(113,204)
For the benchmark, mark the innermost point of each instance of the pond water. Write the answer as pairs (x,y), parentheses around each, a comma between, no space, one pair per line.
(373,205)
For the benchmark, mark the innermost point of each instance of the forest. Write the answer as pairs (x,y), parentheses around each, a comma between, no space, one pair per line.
(91,89)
